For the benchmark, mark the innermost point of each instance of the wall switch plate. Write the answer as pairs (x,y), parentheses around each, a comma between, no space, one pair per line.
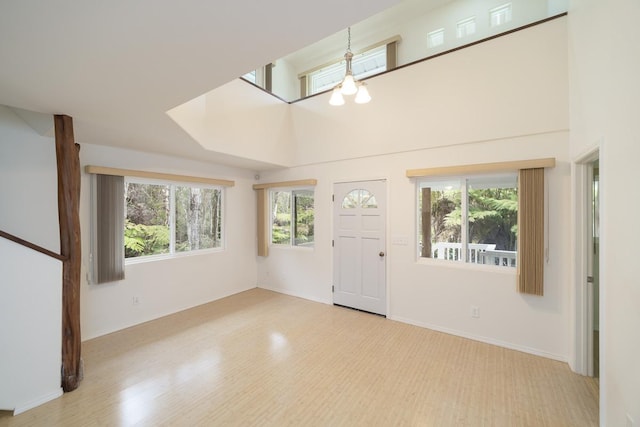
(400,240)
(475,311)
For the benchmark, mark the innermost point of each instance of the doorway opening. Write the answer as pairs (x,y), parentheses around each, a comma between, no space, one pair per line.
(593,269)
(587,284)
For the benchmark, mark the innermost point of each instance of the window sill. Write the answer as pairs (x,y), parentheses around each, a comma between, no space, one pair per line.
(162,257)
(309,248)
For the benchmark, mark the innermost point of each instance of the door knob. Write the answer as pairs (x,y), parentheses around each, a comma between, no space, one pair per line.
(381,254)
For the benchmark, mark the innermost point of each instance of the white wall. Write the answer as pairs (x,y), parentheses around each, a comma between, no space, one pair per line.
(514,85)
(30,328)
(28,182)
(30,306)
(412,20)
(30,302)
(436,294)
(285,82)
(414,34)
(239,120)
(604,70)
(167,286)
(463,108)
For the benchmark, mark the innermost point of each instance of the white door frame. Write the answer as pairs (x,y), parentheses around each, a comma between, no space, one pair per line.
(386,231)
(582,350)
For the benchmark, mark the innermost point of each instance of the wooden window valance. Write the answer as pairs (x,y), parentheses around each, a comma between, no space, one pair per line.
(298,183)
(498,167)
(101,170)
(531,208)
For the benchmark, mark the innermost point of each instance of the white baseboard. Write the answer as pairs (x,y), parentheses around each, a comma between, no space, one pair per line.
(511,346)
(294,294)
(37,402)
(154,316)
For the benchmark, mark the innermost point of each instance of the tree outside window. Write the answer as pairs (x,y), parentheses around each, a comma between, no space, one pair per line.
(469,219)
(169,218)
(292,217)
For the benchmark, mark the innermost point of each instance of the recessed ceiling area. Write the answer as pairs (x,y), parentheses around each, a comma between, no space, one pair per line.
(117,67)
(238,119)
(145,75)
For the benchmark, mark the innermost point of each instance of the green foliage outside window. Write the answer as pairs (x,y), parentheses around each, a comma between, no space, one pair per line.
(198,218)
(469,211)
(197,215)
(292,213)
(147,219)
(281,210)
(493,216)
(304,232)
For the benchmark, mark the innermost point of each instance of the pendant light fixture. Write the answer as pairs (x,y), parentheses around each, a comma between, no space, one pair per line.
(349,85)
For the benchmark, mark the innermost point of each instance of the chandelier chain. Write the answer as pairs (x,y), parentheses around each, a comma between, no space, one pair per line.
(349,39)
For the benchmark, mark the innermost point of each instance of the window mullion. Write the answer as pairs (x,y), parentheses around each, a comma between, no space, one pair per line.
(172,219)
(464,222)
(292,205)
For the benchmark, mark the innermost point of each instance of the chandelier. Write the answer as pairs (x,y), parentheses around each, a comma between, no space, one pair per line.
(349,85)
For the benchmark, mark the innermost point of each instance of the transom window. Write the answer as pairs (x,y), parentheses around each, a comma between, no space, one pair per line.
(167,218)
(359,199)
(292,217)
(469,219)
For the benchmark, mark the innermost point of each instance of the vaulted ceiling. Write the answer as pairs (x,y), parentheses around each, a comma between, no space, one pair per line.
(117,67)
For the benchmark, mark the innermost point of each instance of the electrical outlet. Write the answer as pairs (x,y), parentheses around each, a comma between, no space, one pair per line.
(135,301)
(475,311)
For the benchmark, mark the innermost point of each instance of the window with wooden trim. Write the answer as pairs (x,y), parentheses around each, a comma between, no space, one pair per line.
(169,218)
(141,214)
(530,219)
(292,217)
(364,64)
(470,219)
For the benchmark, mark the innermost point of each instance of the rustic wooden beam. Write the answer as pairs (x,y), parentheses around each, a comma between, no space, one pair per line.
(68,162)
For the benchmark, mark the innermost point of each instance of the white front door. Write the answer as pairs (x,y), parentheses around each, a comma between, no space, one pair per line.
(359,252)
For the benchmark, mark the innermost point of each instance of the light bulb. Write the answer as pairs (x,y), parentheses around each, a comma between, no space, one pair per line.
(336,97)
(363,94)
(349,85)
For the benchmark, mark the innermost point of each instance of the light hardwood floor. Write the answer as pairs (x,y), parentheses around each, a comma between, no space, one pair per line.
(262,358)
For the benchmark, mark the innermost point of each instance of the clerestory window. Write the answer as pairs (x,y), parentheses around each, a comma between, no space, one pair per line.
(365,64)
(500,15)
(435,38)
(466,27)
